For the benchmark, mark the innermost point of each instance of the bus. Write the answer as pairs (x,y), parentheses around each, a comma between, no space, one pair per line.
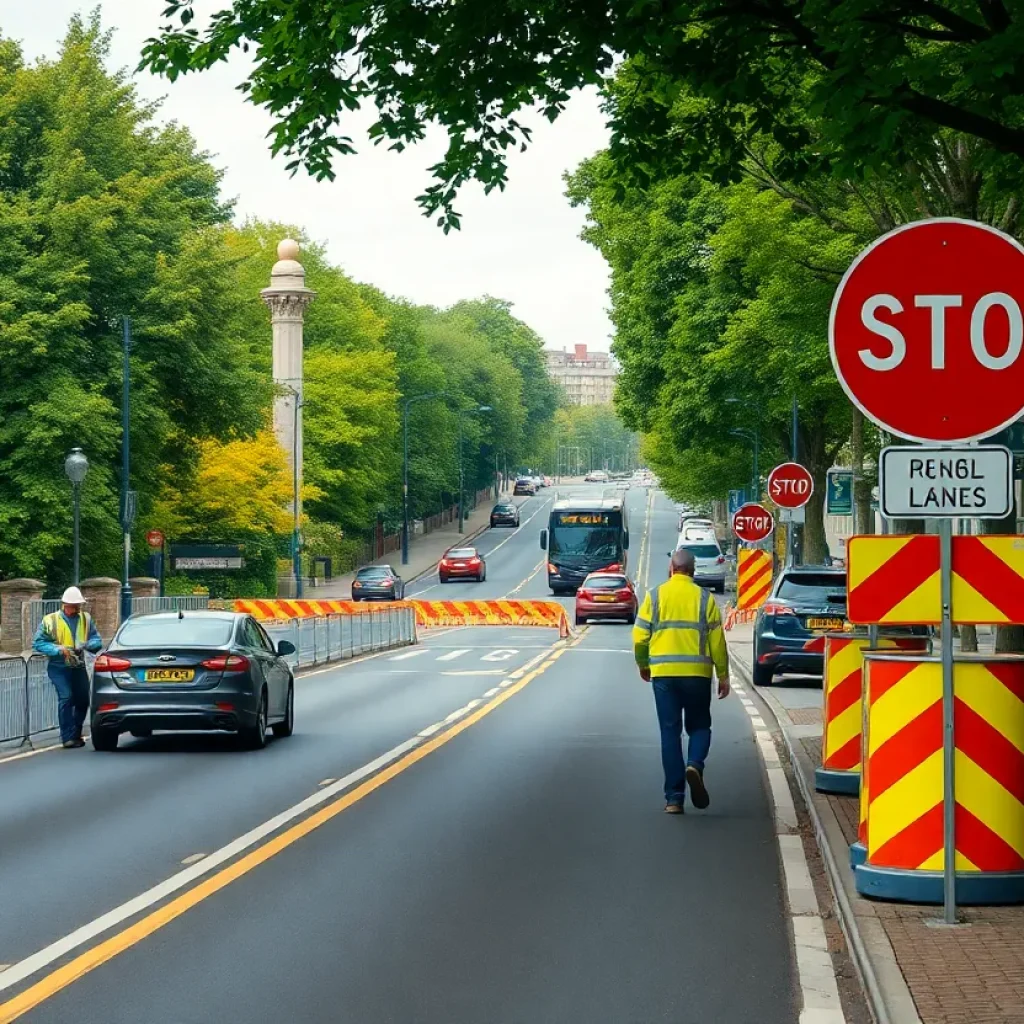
(584,535)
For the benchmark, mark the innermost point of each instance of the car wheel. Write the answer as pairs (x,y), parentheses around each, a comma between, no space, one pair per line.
(287,727)
(483,577)
(720,589)
(632,619)
(255,736)
(142,734)
(581,620)
(104,739)
(763,675)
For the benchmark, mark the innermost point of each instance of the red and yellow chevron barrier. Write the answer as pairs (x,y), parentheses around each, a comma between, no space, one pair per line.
(734,615)
(288,609)
(895,580)
(753,578)
(904,779)
(842,712)
(492,613)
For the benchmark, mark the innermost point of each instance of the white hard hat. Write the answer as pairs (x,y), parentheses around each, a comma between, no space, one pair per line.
(72,596)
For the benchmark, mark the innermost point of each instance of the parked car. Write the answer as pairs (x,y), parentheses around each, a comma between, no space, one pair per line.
(505,513)
(709,562)
(548,482)
(462,564)
(697,532)
(804,602)
(596,476)
(196,670)
(524,487)
(606,595)
(378,583)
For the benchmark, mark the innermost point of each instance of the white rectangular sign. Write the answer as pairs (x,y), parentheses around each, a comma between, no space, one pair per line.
(208,563)
(946,483)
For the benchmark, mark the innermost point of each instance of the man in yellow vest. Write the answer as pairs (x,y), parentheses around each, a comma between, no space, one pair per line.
(64,637)
(678,641)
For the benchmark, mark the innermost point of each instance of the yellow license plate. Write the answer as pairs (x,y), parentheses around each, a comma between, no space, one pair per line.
(170,675)
(604,597)
(837,624)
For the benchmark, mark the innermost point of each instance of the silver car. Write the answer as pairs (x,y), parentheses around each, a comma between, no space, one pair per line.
(709,562)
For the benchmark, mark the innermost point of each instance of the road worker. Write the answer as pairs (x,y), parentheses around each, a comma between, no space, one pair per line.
(64,637)
(678,641)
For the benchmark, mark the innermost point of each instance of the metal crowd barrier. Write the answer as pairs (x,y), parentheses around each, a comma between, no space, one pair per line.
(28,701)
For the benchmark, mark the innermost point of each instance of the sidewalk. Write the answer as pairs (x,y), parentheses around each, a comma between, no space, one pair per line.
(915,971)
(424,554)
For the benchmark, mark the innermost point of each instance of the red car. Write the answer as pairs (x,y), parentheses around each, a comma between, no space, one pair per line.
(462,564)
(606,595)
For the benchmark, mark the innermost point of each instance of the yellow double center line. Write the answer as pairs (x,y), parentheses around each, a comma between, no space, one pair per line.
(88,961)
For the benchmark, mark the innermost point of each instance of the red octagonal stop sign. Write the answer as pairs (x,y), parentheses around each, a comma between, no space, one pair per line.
(927,329)
(790,485)
(752,522)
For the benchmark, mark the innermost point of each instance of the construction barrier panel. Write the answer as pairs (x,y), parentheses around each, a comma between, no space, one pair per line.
(753,578)
(279,608)
(842,689)
(734,615)
(903,829)
(492,613)
(895,580)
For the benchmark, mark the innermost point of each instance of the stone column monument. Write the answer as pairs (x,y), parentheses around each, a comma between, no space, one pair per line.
(287,298)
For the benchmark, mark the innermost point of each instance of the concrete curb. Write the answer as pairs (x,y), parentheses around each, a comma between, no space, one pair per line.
(888,995)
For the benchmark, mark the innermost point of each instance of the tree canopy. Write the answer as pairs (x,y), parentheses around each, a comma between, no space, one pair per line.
(878,79)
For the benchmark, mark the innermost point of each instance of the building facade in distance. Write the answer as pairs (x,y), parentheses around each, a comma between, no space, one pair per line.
(588,378)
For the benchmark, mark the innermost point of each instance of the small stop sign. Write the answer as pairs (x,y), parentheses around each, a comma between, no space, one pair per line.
(926,331)
(155,538)
(752,522)
(790,485)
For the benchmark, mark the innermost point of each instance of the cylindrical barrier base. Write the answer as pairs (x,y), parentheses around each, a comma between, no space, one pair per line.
(858,854)
(973,888)
(828,780)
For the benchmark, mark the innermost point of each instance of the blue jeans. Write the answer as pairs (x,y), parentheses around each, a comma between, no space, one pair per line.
(680,699)
(72,686)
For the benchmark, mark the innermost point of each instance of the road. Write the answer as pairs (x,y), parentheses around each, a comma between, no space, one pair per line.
(511,865)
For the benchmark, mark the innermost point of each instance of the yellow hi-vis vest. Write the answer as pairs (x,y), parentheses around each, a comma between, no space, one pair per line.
(59,631)
(678,631)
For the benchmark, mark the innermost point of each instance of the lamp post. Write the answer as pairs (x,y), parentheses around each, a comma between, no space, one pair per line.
(297,404)
(462,498)
(405,465)
(127,495)
(76,465)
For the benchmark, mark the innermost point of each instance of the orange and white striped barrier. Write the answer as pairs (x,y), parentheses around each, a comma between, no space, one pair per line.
(734,615)
(842,712)
(428,613)
(492,613)
(903,830)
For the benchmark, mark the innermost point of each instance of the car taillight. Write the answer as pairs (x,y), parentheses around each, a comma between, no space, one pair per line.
(552,567)
(720,560)
(108,663)
(474,561)
(625,593)
(112,706)
(614,567)
(585,594)
(227,663)
(774,608)
(443,564)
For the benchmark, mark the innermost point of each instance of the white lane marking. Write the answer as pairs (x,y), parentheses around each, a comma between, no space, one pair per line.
(492,691)
(536,569)
(430,730)
(519,672)
(476,672)
(502,654)
(193,858)
(409,654)
(157,893)
(452,655)
(746,701)
(326,782)
(602,650)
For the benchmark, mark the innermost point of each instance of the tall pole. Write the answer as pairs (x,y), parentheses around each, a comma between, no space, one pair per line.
(757,470)
(405,482)
(461,511)
(296,504)
(795,458)
(126,509)
(76,497)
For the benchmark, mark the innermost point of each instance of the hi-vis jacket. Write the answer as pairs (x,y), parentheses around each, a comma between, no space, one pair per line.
(678,631)
(55,632)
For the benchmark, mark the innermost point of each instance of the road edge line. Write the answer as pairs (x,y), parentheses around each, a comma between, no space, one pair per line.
(878,993)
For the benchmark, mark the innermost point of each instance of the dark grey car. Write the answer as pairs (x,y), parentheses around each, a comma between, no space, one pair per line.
(197,670)
(378,583)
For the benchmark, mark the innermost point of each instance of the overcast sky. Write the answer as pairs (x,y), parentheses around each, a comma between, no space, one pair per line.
(522,245)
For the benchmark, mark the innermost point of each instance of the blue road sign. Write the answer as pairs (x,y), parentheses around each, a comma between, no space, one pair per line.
(735,502)
(839,494)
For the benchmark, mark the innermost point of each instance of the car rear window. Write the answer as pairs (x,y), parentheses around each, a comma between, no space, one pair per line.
(462,553)
(373,572)
(188,631)
(813,588)
(703,550)
(605,582)
(504,508)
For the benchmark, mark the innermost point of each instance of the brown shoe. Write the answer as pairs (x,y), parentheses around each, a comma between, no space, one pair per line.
(698,793)
(70,744)
(673,808)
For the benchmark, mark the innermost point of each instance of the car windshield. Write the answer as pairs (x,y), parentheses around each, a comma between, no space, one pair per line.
(188,631)
(605,582)
(462,553)
(374,572)
(703,550)
(816,588)
(504,508)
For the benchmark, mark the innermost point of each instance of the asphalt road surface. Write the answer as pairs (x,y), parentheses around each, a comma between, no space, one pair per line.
(469,831)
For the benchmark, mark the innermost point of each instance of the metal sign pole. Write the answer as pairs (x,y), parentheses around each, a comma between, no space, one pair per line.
(948,740)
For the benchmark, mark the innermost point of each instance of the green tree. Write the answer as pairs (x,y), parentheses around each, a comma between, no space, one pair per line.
(881,78)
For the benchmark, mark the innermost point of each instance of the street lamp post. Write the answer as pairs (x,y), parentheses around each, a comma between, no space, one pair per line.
(76,465)
(127,497)
(405,465)
(462,496)
(297,404)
